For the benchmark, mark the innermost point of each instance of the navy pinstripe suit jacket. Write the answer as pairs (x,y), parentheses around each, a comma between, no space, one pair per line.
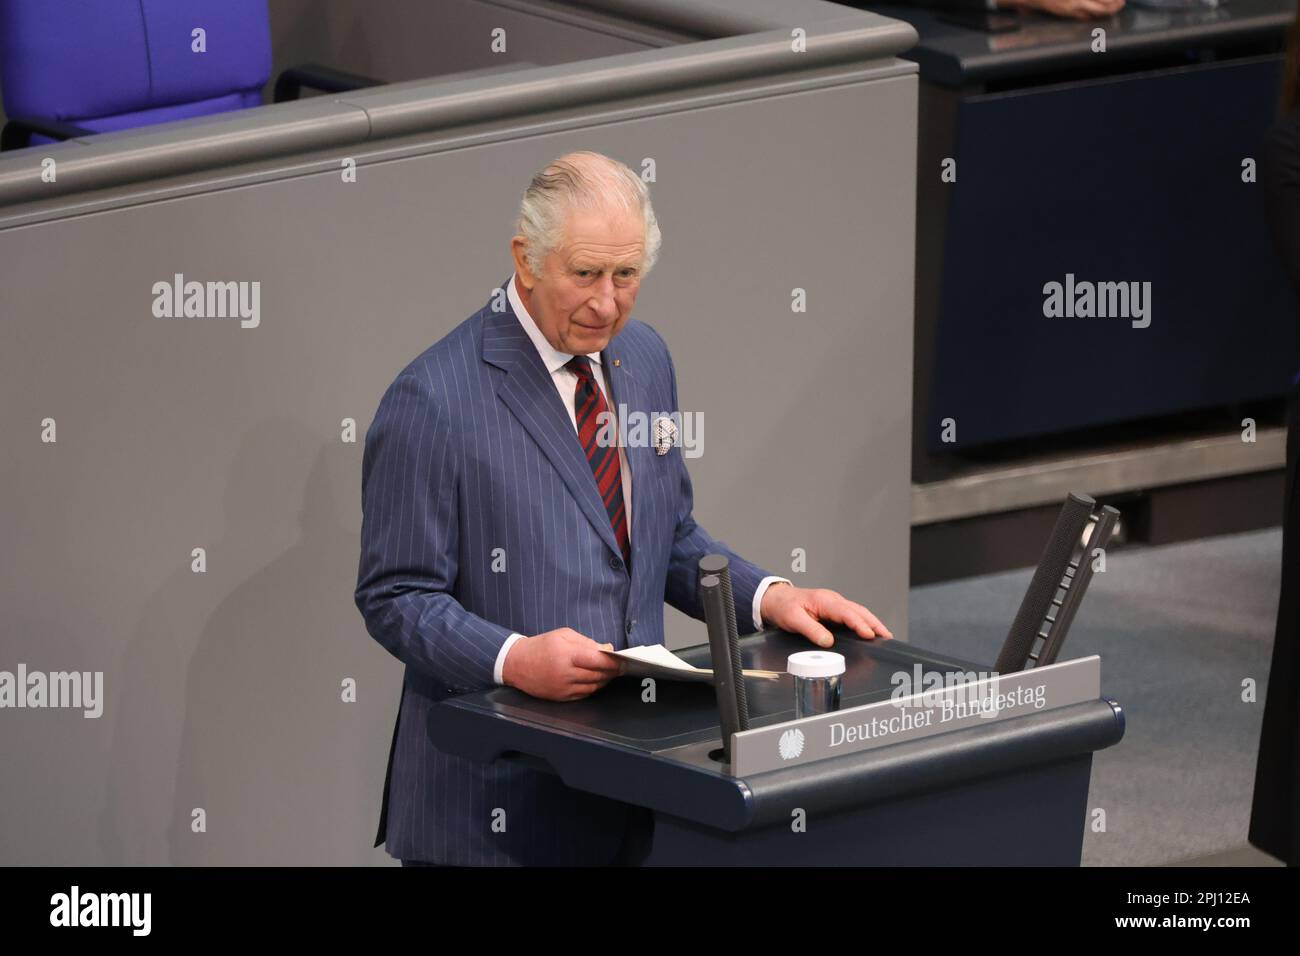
(472,451)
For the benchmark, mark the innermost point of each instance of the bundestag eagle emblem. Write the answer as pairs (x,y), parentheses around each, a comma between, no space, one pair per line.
(791,743)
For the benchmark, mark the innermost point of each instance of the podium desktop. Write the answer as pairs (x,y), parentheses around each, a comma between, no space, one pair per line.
(1004,792)
(1007,790)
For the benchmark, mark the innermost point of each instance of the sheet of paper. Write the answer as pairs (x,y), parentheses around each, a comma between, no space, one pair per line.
(656,654)
(656,660)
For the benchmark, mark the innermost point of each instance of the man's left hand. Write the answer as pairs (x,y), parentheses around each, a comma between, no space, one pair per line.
(800,611)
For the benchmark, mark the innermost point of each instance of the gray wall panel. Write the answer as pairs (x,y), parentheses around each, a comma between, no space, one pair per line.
(398,40)
(223,688)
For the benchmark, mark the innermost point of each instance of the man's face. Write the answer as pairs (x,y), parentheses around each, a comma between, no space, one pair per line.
(589,284)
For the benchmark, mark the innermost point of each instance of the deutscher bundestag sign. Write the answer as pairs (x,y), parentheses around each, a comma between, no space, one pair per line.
(924,704)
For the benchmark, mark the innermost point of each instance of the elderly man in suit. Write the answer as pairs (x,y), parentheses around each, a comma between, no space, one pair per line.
(506,539)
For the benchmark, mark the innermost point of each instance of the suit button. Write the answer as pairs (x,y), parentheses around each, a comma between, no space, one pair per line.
(629,627)
(616,564)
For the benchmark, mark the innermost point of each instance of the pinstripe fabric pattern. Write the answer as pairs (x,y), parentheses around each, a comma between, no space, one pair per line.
(471,450)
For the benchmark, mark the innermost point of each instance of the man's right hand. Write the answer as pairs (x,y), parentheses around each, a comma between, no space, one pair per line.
(559,665)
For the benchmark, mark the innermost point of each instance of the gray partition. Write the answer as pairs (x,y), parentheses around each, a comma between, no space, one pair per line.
(399,40)
(223,690)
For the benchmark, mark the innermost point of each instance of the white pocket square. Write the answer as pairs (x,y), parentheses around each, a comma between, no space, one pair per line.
(665,435)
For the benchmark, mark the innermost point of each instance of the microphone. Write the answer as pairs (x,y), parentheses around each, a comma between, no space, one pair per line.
(724,647)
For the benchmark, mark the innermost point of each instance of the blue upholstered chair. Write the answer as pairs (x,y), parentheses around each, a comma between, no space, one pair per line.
(77,67)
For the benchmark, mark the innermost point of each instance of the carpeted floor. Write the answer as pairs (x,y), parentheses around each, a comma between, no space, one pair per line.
(1178,628)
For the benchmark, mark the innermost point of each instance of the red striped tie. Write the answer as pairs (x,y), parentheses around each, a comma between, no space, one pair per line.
(588,405)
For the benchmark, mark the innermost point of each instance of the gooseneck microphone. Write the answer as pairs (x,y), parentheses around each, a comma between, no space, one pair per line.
(724,647)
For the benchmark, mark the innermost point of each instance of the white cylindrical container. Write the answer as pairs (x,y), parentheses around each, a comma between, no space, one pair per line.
(817,676)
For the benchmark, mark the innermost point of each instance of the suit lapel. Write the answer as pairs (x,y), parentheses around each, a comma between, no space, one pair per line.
(529,392)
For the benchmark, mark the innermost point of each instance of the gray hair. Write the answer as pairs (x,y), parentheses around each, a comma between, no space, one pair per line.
(581,180)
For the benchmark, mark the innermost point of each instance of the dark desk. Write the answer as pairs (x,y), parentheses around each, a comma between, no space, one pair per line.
(955,56)
(1116,167)
(1012,792)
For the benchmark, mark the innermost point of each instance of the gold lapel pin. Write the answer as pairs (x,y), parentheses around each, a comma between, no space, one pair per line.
(617,362)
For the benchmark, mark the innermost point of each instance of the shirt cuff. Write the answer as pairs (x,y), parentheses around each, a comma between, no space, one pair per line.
(501,657)
(763,585)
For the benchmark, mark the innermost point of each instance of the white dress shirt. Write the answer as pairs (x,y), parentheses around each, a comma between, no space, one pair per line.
(566,383)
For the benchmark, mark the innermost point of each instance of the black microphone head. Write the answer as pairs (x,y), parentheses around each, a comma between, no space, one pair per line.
(713,564)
